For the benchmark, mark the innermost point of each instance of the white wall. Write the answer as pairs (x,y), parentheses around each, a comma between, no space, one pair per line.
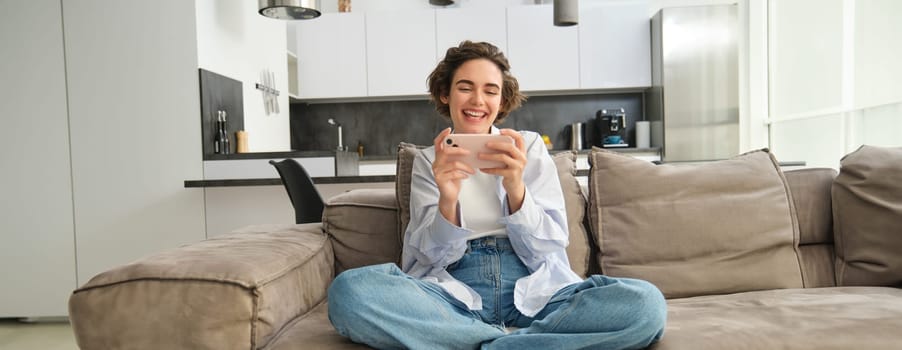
(234,40)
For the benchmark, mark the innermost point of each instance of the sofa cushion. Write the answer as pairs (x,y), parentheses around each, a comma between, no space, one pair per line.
(810,190)
(810,318)
(407,152)
(313,331)
(867,214)
(363,224)
(713,228)
(233,291)
(574,201)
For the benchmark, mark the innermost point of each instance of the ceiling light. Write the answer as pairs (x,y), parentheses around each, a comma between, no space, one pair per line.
(290,9)
(566,13)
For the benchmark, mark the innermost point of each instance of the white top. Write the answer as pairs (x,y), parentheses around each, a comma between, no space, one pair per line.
(537,232)
(480,209)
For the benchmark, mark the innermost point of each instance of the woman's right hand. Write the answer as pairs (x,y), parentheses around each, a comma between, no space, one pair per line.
(448,174)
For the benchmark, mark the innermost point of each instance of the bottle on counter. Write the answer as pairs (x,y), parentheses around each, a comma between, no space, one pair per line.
(226,147)
(217,134)
(359,149)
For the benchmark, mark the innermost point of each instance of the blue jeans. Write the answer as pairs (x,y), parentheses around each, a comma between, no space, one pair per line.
(383,307)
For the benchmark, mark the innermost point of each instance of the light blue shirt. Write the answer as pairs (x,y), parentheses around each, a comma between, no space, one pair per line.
(538,232)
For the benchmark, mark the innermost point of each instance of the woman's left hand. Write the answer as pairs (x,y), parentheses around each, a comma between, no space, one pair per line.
(514,157)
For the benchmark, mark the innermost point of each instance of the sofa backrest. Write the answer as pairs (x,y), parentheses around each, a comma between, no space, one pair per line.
(364,228)
(810,190)
(867,212)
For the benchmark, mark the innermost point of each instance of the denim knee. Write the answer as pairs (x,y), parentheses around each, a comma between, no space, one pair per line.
(348,294)
(650,307)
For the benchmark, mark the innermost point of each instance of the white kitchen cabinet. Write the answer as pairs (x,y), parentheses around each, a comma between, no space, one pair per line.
(614,45)
(400,52)
(542,56)
(37,248)
(331,56)
(454,25)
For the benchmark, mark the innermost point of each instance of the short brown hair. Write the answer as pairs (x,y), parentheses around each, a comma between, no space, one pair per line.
(440,78)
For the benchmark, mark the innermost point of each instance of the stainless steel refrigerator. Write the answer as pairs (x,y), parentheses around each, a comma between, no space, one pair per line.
(693,104)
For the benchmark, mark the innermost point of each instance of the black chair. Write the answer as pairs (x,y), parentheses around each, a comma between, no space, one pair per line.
(307,203)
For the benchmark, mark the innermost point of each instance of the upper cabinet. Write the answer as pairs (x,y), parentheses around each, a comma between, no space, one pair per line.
(331,56)
(389,52)
(400,52)
(482,24)
(542,56)
(614,46)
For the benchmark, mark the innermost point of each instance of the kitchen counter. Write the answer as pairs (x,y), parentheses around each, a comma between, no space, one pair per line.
(331,153)
(251,169)
(316,180)
(278,182)
(268,155)
(363,179)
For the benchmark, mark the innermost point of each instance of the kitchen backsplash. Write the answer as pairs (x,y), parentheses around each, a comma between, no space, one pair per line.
(380,126)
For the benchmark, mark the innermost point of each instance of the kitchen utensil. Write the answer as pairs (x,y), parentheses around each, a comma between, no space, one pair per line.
(577,136)
(241,141)
(274,95)
(262,88)
(332,122)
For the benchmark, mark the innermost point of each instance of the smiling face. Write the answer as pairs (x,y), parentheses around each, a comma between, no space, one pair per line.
(475,96)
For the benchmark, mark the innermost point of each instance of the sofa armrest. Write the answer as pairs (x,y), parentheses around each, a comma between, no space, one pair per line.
(229,292)
(363,226)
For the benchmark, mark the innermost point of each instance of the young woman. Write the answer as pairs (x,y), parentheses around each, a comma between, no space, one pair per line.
(484,252)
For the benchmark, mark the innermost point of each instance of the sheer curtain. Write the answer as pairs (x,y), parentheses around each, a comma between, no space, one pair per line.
(835,77)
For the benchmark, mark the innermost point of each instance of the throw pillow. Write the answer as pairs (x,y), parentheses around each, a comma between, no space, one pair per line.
(867,218)
(713,228)
(574,201)
(407,152)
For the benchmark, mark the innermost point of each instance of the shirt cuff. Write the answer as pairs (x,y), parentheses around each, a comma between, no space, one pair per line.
(444,233)
(524,220)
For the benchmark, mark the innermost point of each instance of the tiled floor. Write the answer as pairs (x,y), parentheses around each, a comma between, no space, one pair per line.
(15,335)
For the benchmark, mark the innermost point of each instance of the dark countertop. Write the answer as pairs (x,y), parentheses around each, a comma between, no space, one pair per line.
(328,153)
(278,182)
(268,155)
(349,179)
(316,180)
(363,179)
(333,179)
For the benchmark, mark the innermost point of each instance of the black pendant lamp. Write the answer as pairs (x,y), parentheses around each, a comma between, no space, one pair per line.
(290,9)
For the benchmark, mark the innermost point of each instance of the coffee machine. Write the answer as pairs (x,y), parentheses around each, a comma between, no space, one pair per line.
(612,127)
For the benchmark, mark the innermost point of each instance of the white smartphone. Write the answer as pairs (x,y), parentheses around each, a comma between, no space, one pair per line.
(475,143)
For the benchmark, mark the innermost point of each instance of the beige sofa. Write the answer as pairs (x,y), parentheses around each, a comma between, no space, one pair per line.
(749,257)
